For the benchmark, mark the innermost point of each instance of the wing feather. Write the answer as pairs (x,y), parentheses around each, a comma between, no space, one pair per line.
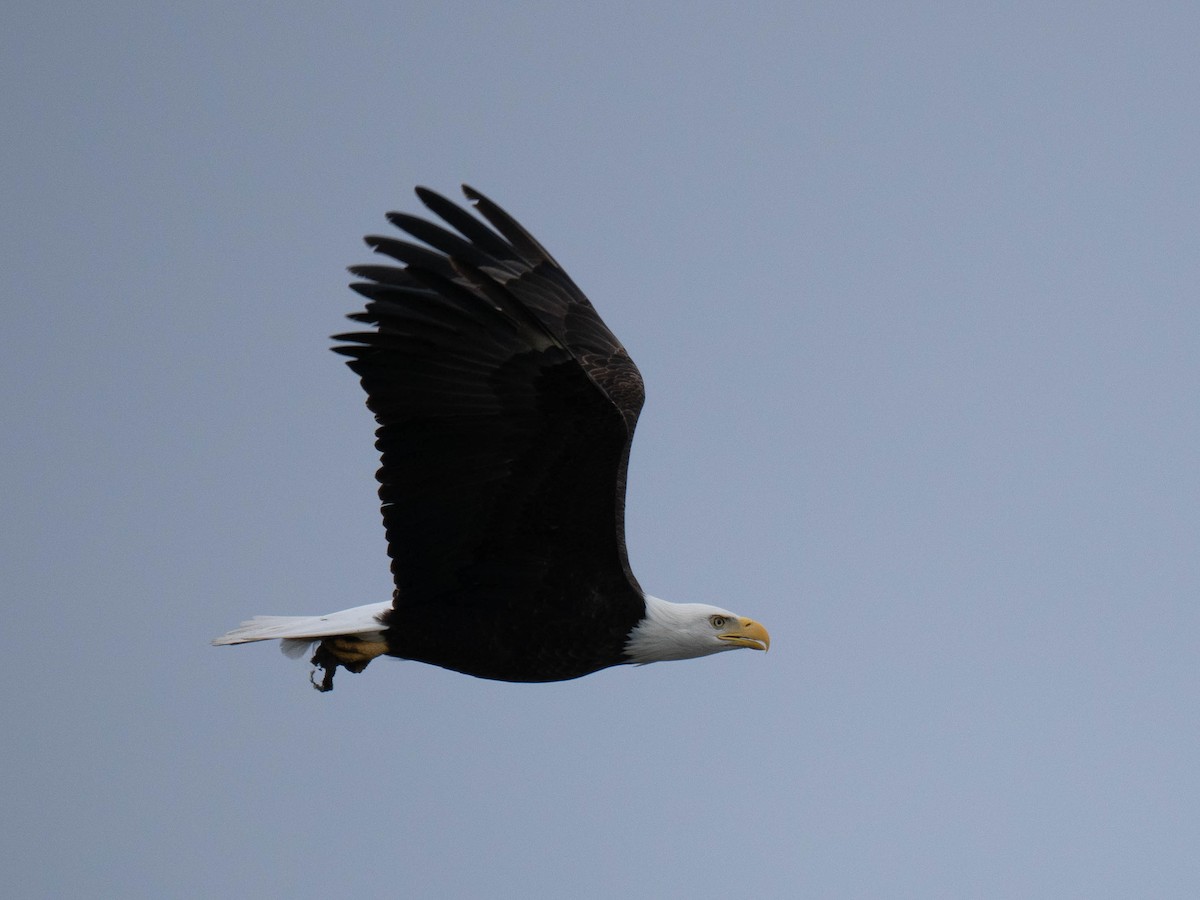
(505,406)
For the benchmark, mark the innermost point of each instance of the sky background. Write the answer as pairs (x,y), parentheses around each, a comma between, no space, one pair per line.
(913,287)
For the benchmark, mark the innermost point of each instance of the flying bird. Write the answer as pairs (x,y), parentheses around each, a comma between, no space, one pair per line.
(506,409)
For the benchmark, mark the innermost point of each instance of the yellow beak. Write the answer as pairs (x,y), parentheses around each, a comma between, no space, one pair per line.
(747,633)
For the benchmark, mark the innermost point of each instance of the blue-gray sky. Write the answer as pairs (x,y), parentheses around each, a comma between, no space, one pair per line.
(913,287)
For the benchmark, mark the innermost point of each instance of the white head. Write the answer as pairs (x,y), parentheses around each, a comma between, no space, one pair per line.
(688,630)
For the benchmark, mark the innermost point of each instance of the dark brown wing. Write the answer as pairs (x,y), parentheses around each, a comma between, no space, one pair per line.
(506,409)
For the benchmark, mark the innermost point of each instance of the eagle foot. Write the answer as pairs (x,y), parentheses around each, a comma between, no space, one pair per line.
(351,653)
(326,683)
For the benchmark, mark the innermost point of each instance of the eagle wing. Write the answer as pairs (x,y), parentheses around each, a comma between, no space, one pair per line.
(506,409)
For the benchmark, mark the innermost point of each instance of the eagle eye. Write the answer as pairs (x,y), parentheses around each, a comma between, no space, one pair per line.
(718,621)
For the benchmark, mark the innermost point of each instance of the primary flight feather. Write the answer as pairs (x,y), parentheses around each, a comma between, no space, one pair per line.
(506,409)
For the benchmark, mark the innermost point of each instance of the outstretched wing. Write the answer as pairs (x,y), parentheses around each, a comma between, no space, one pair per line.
(505,406)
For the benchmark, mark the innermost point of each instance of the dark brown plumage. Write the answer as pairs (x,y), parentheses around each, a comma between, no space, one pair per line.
(506,409)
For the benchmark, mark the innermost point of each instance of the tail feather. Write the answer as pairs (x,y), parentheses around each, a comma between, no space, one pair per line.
(298,632)
(295,648)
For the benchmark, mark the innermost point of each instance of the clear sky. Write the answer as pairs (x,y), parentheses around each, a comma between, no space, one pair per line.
(913,287)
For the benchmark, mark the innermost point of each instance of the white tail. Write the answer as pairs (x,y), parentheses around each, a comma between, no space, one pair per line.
(298,632)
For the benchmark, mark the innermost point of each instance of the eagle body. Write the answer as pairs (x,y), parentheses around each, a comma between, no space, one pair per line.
(579,633)
(506,409)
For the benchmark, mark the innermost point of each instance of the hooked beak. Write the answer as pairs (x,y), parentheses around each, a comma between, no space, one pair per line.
(747,633)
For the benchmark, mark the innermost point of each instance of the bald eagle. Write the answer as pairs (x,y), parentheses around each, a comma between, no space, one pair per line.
(506,409)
